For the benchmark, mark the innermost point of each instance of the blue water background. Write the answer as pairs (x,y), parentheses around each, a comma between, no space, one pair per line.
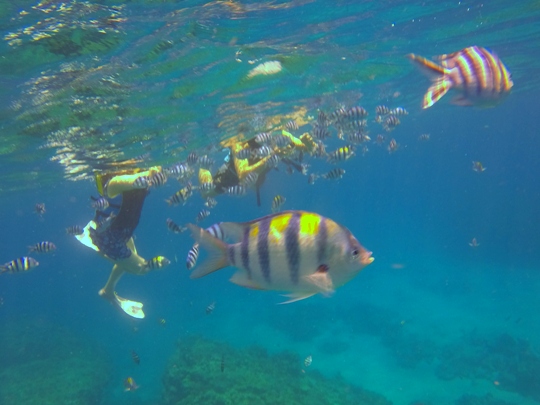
(416,209)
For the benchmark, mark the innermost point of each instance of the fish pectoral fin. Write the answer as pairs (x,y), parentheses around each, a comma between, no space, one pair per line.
(240,278)
(321,280)
(296,297)
(435,92)
(132,308)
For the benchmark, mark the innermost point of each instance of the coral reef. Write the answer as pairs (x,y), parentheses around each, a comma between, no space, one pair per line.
(212,373)
(485,400)
(43,364)
(509,361)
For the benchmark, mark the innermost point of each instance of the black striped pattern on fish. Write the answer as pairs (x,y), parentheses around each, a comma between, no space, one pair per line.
(18,265)
(295,251)
(42,247)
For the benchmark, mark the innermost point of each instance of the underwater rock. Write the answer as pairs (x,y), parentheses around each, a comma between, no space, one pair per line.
(44,364)
(207,372)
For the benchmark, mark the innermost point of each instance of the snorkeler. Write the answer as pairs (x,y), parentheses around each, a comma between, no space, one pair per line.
(250,161)
(110,232)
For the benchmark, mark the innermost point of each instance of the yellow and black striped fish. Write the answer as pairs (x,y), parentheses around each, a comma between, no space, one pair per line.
(298,252)
(18,265)
(340,154)
(277,202)
(478,74)
(157,262)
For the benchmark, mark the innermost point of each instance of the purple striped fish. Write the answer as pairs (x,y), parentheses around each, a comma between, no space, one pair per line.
(298,252)
(477,74)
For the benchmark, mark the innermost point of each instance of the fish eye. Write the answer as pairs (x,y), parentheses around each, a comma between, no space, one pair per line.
(355,252)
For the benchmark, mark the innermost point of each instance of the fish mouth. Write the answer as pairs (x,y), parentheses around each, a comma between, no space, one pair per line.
(366,258)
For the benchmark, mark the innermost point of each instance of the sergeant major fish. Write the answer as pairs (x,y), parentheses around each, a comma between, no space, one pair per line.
(42,247)
(277,202)
(39,208)
(298,252)
(157,262)
(478,74)
(174,227)
(18,265)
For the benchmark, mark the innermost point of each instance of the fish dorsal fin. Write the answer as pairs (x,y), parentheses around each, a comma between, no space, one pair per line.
(438,89)
(234,230)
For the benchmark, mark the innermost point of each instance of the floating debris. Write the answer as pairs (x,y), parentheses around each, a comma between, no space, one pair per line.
(267,68)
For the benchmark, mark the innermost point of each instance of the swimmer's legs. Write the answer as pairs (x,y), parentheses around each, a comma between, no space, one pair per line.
(132,308)
(125,182)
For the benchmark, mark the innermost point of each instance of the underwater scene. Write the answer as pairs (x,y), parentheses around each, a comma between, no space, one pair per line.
(270,202)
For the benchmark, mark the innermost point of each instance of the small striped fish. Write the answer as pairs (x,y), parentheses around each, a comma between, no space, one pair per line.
(74,230)
(340,154)
(42,247)
(298,252)
(356,112)
(334,174)
(192,158)
(263,138)
(250,179)
(174,227)
(141,182)
(18,265)
(100,203)
(204,213)
(181,196)
(179,171)
(291,125)
(210,202)
(479,75)
(243,153)
(277,202)
(40,209)
(391,122)
(193,254)
(237,190)
(392,146)
(157,262)
(382,110)
(206,162)
(158,179)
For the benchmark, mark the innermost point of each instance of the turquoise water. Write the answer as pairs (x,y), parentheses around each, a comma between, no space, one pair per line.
(431,321)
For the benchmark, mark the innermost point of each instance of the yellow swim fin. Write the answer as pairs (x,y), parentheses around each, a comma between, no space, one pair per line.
(85,238)
(132,308)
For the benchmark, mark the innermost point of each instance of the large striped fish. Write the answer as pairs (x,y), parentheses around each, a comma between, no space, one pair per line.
(479,75)
(298,252)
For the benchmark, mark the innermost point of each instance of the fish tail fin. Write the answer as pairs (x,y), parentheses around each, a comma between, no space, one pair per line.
(3,269)
(217,251)
(426,66)
(437,73)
